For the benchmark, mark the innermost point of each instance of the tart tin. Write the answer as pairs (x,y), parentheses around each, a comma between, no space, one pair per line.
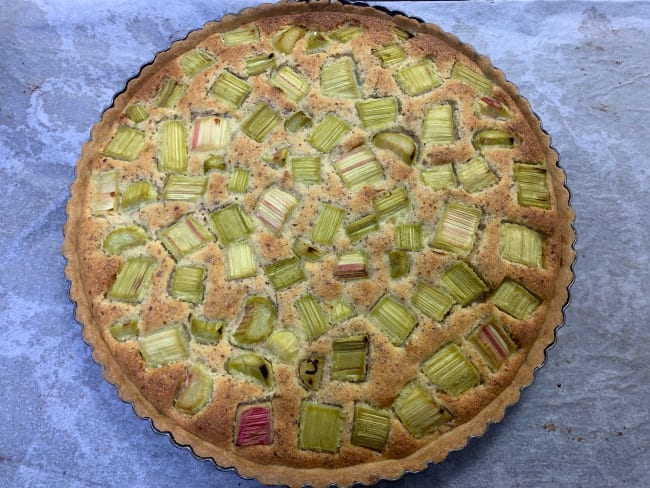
(391,469)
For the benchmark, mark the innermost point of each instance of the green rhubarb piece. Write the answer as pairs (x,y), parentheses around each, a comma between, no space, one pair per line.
(377,113)
(137,194)
(185,188)
(456,230)
(351,265)
(438,125)
(463,283)
(341,311)
(489,107)
(361,227)
(347,32)
(256,323)
(371,427)
(408,237)
(196,61)
(308,251)
(274,208)
(434,302)
(211,133)
(399,264)
(231,223)
(253,367)
(126,144)
(328,133)
(170,93)
(349,358)
(136,112)
(532,189)
(315,41)
(393,319)
(172,155)
(214,162)
(230,89)
(285,273)
(299,120)
(389,55)
(206,331)
(338,79)
(310,372)
(402,145)
(418,78)
(260,122)
(284,344)
(391,202)
(521,245)
(196,391)
(515,300)
(278,158)
(493,342)
(164,345)
(122,238)
(292,84)
(243,35)
(133,280)
(358,168)
(240,261)
(419,411)
(400,35)
(439,177)
(124,331)
(184,237)
(306,169)
(475,175)
(311,316)
(327,224)
(486,139)
(320,427)
(187,283)
(451,371)
(285,40)
(260,63)
(239,180)
(467,75)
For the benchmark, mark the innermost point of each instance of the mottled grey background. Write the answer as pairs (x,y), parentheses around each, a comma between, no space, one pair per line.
(585,67)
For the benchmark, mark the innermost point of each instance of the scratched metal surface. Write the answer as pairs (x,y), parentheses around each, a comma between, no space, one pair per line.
(584,67)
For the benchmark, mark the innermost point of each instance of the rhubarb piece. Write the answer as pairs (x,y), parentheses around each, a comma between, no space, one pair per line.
(311,316)
(260,122)
(338,79)
(184,237)
(438,125)
(124,331)
(185,188)
(252,367)
(298,121)
(211,133)
(292,84)
(393,319)
(328,133)
(230,89)
(419,411)
(306,169)
(187,283)
(238,180)
(196,391)
(515,300)
(434,302)
(521,245)
(399,264)
(463,283)
(401,145)
(285,273)
(408,237)
(172,156)
(307,251)
(196,61)
(256,323)
(136,112)
(243,35)
(489,107)
(170,93)
(391,202)
(137,194)
(493,342)
(315,41)
(126,144)
(286,39)
(133,280)
(103,198)
(475,175)
(389,55)
(371,427)
(320,427)
(451,371)
(400,35)
(456,230)
(439,177)
(341,311)
(164,345)
(231,223)
(284,344)
(473,78)
(260,63)
(327,224)
(122,238)
(358,168)
(254,426)
(274,208)
(361,227)
(349,358)
(240,261)
(351,265)
(214,162)
(418,78)
(493,138)
(277,158)
(347,32)
(206,331)
(377,113)
(532,189)
(310,371)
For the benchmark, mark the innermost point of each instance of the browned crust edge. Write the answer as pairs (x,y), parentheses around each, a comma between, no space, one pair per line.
(317,477)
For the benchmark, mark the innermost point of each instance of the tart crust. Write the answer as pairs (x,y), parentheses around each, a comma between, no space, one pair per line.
(211,432)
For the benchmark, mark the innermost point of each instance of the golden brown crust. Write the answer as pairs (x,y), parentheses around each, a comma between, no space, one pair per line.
(210,432)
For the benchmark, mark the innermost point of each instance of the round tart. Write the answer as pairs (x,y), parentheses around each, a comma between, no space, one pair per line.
(319,243)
